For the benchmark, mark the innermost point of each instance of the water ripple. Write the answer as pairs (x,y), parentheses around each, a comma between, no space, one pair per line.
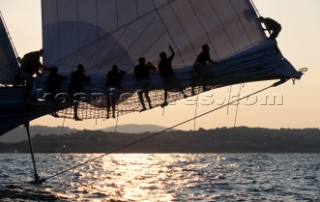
(167,177)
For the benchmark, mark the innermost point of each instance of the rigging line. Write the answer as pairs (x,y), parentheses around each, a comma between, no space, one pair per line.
(195,113)
(58,33)
(139,17)
(64,119)
(165,26)
(230,90)
(239,18)
(97,33)
(8,35)
(104,35)
(86,40)
(203,27)
(258,14)
(255,8)
(223,27)
(117,14)
(155,41)
(97,18)
(134,42)
(139,36)
(115,44)
(137,10)
(115,129)
(160,132)
(183,29)
(236,116)
(78,37)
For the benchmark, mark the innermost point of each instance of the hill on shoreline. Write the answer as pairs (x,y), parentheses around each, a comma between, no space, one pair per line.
(220,140)
(19,134)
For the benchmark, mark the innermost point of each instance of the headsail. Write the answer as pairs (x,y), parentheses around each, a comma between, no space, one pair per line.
(101,33)
(8,61)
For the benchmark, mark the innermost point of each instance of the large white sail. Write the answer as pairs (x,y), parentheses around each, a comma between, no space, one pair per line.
(101,33)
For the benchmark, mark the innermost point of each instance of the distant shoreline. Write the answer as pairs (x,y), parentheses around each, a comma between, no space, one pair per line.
(221,140)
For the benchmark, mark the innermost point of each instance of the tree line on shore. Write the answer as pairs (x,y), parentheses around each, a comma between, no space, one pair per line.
(220,140)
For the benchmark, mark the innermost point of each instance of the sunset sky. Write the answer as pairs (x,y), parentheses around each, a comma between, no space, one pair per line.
(297,106)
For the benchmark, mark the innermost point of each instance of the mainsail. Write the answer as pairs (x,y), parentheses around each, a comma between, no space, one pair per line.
(101,33)
(8,61)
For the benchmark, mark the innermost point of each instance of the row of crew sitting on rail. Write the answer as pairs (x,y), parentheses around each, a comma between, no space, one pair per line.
(30,64)
(141,73)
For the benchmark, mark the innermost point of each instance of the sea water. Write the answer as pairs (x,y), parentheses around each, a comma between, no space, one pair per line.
(162,177)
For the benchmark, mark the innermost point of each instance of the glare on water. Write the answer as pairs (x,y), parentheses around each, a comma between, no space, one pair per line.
(171,177)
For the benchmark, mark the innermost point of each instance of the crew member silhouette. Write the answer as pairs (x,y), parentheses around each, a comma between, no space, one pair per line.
(114,77)
(168,78)
(54,87)
(30,68)
(141,72)
(200,68)
(78,80)
(272,26)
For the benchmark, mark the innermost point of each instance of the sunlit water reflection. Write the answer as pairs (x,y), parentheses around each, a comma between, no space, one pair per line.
(171,177)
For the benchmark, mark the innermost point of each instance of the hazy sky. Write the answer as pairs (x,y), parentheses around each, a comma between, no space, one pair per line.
(297,106)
